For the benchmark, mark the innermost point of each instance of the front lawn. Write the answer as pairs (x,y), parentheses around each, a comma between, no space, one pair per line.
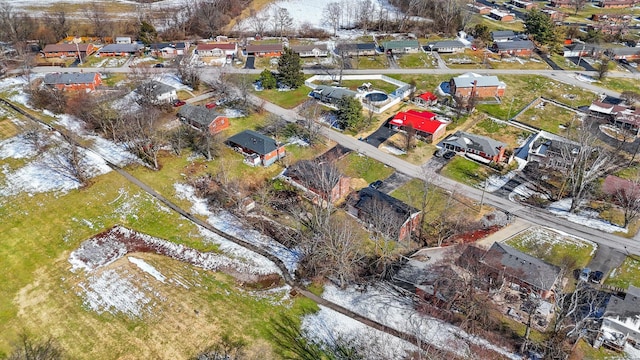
(532,63)
(564,63)
(500,131)
(418,60)
(554,248)
(466,171)
(627,274)
(360,166)
(285,99)
(549,117)
(369,62)
(619,84)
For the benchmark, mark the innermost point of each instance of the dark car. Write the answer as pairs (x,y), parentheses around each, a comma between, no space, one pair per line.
(449,155)
(178,103)
(596,277)
(376,184)
(624,61)
(158,65)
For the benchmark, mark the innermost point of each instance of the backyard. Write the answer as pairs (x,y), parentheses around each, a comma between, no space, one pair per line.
(627,274)
(549,117)
(356,166)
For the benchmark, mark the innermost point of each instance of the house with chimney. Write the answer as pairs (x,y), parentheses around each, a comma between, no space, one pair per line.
(203,118)
(474,85)
(257,149)
(319,179)
(68,50)
(425,124)
(477,147)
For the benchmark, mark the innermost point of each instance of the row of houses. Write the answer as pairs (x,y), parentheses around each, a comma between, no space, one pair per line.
(606,4)
(579,49)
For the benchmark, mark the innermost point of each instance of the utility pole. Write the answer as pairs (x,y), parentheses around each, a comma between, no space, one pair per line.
(510,106)
(76,40)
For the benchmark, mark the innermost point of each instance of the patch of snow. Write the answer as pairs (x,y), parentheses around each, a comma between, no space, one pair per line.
(389,308)
(393,150)
(172,80)
(71,123)
(331,327)
(495,182)
(115,153)
(587,218)
(146,267)
(17,147)
(233,113)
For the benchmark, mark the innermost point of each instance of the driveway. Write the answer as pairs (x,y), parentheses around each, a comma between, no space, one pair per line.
(393,182)
(606,259)
(250,64)
(550,62)
(582,63)
(628,147)
(381,135)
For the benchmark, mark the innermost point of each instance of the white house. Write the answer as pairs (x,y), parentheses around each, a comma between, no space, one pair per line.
(123,40)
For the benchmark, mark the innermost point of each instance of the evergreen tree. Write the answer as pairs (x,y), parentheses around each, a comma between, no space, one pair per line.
(350,113)
(147,33)
(540,27)
(267,79)
(290,69)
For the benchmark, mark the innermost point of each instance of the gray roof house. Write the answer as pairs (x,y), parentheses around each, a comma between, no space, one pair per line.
(622,316)
(508,46)
(258,149)
(120,49)
(202,118)
(157,92)
(502,35)
(353,49)
(474,145)
(331,95)
(69,78)
(446,46)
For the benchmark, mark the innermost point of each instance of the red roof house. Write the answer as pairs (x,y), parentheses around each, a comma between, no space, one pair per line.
(425,99)
(424,122)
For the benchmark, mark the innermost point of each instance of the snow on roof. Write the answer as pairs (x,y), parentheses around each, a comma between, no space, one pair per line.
(467,80)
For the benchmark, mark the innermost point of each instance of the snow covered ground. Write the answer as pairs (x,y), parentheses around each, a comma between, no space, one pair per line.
(387,308)
(584,217)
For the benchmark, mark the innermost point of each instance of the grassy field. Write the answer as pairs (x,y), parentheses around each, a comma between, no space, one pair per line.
(554,248)
(285,99)
(364,167)
(499,131)
(532,63)
(468,58)
(627,274)
(619,84)
(423,82)
(376,84)
(521,90)
(548,117)
(564,63)
(499,25)
(369,62)
(417,61)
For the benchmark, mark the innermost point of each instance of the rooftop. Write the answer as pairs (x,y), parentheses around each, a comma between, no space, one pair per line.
(254,141)
(69,78)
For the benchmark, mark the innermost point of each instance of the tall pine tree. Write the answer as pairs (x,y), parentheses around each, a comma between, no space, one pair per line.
(290,69)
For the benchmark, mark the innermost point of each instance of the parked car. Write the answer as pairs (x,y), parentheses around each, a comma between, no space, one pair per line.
(178,103)
(449,155)
(584,275)
(376,184)
(158,65)
(210,105)
(597,277)
(624,61)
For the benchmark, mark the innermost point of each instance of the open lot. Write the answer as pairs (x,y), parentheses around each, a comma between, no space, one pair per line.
(418,60)
(359,166)
(500,131)
(627,274)
(549,117)
(369,62)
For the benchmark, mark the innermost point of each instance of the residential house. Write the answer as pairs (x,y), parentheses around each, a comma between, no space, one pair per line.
(479,8)
(319,50)
(582,50)
(425,99)
(331,95)
(474,85)
(68,50)
(446,46)
(562,3)
(504,263)
(120,50)
(73,81)
(621,319)
(123,40)
(425,124)
(157,92)
(554,15)
(264,50)
(610,4)
(167,50)
(218,50)
(476,147)
(514,48)
(548,150)
(356,49)
(612,18)
(622,117)
(320,180)
(401,46)
(502,35)
(385,214)
(525,5)
(609,28)
(628,53)
(501,15)
(203,118)
(257,148)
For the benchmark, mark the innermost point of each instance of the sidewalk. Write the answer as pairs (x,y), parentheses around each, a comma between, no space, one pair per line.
(518,226)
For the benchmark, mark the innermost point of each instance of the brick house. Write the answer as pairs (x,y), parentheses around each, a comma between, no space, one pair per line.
(479,8)
(610,4)
(446,46)
(383,213)
(217,50)
(474,145)
(264,50)
(356,49)
(501,15)
(561,3)
(320,180)
(526,5)
(73,81)
(68,50)
(503,35)
(425,123)
(401,46)
(202,118)
(475,85)
(522,48)
(628,53)
(257,148)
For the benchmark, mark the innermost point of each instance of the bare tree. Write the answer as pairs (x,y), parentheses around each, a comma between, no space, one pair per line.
(103,26)
(364,14)
(140,133)
(189,73)
(29,349)
(310,112)
(58,22)
(282,21)
(409,138)
(628,198)
(35,134)
(578,5)
(258,21)
(602,68)
(68,159)
(331,15)
(586,162)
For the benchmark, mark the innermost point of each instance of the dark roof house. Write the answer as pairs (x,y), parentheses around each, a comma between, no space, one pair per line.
(401,46)
(446,46)
(73,81)
(203,118)
(331,95)
(471,144)
(622,315)
(502,35)
(260,149)
(319,178)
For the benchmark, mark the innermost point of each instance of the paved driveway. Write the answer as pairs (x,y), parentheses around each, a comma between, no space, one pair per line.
(250,64)
(606,259)
(381,135)
(393,182)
